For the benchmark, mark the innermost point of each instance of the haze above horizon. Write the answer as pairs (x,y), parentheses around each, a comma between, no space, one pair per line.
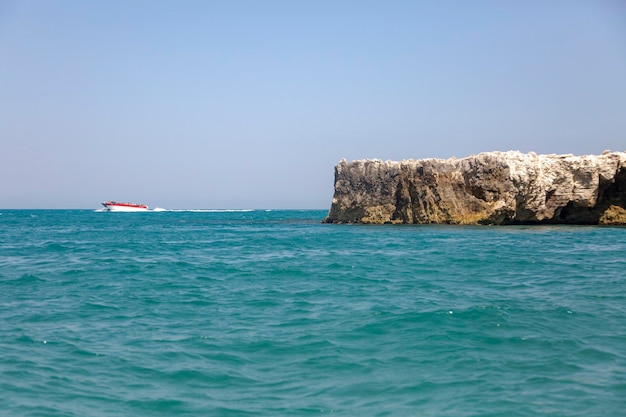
(246,104)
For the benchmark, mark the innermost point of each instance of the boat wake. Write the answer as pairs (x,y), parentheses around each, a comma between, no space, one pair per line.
(161,209)
(204,210)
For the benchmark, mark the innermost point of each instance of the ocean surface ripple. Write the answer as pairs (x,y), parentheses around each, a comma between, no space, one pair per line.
(271,313)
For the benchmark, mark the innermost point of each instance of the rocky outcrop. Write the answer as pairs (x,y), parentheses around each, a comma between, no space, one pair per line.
(488,188)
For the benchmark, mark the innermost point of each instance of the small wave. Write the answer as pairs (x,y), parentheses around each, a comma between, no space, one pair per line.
(26,279)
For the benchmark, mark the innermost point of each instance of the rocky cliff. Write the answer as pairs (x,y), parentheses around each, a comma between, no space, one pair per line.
(488,188)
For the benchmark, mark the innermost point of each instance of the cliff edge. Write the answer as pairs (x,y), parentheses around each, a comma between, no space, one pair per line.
(488,188)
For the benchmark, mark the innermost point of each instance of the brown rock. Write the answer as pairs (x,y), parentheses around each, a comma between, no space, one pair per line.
(488,188)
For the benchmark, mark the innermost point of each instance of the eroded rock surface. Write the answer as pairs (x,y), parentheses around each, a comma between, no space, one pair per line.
(488,188)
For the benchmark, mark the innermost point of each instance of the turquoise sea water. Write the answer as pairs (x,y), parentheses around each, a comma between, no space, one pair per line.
(271,313)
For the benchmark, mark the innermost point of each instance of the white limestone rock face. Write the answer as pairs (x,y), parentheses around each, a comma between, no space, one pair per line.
(488,188)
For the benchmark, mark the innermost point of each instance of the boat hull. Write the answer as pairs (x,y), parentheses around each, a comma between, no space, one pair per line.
(113,206)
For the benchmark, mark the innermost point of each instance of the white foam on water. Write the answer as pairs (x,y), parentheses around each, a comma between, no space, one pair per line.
(161,209)
(203,210)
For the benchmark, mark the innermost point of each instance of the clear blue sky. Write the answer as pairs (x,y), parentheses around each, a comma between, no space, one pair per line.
(250,104)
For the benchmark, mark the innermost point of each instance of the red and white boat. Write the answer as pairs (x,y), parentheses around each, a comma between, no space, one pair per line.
(115,206)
